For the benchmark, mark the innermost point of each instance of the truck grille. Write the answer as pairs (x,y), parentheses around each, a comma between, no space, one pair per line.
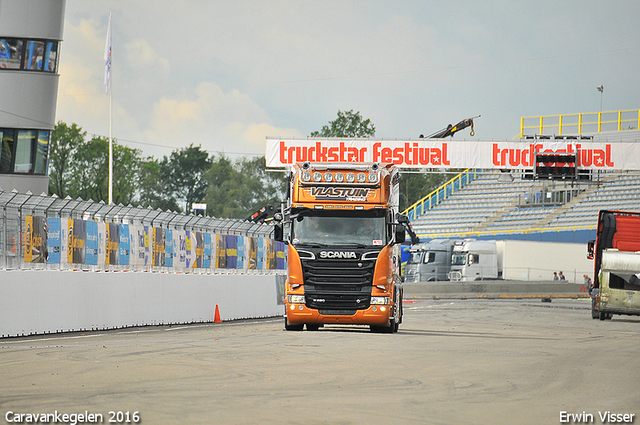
(344,285)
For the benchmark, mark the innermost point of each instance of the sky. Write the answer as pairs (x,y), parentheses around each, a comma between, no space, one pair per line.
(226,74)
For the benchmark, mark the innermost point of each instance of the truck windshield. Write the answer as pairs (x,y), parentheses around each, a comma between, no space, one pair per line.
(367,228)
(458,259)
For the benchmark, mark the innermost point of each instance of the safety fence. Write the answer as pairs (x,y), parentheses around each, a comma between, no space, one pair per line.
(441,193)
(51,233)
(592,122)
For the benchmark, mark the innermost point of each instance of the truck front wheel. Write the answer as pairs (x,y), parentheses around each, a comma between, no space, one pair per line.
(289,327)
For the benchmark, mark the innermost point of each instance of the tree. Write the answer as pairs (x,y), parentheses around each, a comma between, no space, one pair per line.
(348,124)
(153,182)
(186,170)
(64,141)
(237,189)
(90,171)
(126,168)
(264,187)
(415,186)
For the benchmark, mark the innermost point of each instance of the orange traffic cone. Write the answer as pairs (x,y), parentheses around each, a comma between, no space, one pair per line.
(216,318)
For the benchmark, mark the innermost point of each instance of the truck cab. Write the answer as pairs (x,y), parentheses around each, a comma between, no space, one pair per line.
(615,250)
(429,261)
(341,227)
(474,260)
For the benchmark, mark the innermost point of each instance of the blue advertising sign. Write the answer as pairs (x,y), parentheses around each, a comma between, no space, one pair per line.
(206,262)
(240,264)
(169,248)
(232,252)
(54,241)
(260,262)
(91,246)
(124,248)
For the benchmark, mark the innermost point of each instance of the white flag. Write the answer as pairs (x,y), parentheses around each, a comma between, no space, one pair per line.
(107,59)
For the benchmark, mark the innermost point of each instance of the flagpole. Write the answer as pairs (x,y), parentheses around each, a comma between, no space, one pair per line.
(110,147)
(107,82)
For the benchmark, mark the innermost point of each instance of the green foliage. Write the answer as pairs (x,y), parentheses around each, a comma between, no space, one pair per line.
(153,184)
(238,189)
(89,170)
(126,168)
(415,186)
(348,124)
(64,140)
(184,173)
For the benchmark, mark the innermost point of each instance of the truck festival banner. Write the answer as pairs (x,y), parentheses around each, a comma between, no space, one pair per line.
(447,153)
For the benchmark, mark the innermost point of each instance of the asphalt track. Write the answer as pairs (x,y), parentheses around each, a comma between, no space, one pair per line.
(474,361)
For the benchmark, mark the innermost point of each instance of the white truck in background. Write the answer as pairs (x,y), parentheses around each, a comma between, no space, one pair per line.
(474,260)
(429,261)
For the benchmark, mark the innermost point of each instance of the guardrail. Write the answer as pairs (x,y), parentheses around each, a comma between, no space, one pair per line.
(50,233)
(441,193)
(590,122)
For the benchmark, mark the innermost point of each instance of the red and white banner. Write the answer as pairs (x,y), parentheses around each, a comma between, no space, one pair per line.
(446,153)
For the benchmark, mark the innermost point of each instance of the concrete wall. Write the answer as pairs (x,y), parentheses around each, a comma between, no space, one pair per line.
(38,302)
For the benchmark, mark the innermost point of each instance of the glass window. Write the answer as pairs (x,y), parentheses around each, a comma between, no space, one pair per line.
(10,53)
(430,257)
(415,257)
(34,54)
(6,150)
(42,153)
(50,56)
(335,228)
(26,140)
(458,259)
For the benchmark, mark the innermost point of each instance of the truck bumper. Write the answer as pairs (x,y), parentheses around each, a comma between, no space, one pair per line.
(378,315)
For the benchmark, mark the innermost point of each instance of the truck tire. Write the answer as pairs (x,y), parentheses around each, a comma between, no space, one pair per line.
(594,313)
(289,327)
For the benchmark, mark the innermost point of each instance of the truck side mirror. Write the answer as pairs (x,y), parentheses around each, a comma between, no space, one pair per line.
(591,249)
(277,233)
(403,219)
(400,235)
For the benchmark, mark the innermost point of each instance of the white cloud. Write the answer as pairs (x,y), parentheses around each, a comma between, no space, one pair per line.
(218,121)
(141,56)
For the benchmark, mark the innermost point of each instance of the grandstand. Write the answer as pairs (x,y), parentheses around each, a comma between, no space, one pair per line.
(496,204)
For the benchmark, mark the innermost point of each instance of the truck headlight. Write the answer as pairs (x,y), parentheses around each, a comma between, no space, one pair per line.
(379,300)
(295,299)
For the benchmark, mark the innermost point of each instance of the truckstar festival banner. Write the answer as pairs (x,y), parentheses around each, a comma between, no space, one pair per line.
(446,153)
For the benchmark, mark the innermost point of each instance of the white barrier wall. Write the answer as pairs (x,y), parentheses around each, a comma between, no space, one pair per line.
(38,302)
(530,260)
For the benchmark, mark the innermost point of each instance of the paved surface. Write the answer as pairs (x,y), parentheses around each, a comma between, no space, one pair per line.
(453,362)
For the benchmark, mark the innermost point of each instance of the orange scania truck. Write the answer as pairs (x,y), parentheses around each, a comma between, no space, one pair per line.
(343,231)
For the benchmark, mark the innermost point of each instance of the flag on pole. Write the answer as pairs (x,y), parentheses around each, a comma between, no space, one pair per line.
(107,59)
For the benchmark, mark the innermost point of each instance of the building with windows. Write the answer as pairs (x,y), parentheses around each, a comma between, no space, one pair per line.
(30,38)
